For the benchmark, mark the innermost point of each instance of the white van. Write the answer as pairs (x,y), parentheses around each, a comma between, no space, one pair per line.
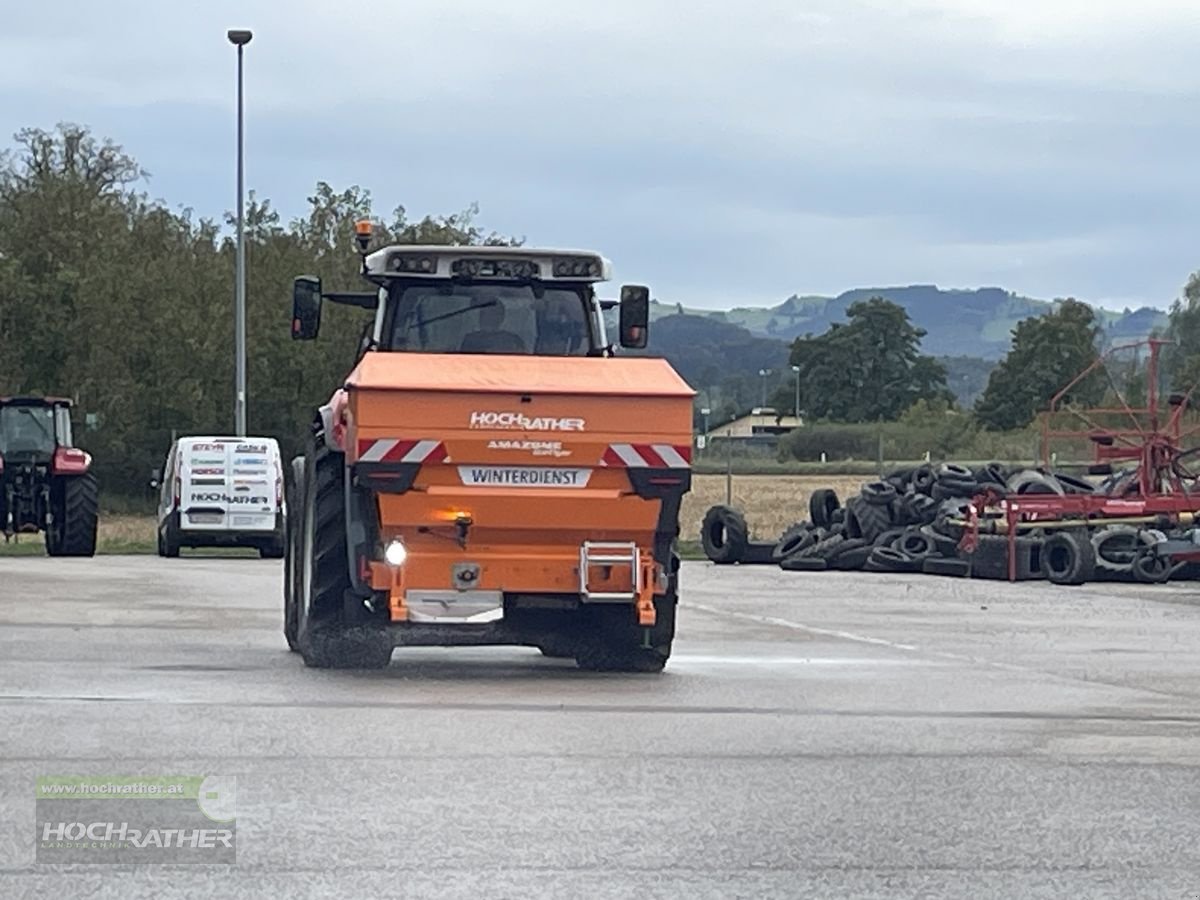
(221,492)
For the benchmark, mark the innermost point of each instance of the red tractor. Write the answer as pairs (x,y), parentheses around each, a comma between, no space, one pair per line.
(46,484)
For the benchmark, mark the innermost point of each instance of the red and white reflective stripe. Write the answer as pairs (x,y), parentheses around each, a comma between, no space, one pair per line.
(395,450)
(647,456)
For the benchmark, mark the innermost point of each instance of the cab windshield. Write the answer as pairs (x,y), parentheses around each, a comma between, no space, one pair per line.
(26,430)
(445,317)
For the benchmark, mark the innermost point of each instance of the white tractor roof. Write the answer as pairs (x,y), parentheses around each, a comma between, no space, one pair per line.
(441,261)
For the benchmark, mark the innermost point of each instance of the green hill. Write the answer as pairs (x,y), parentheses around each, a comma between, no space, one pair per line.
(974,323)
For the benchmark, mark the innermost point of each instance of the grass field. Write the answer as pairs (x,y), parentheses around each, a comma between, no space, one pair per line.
(770,503)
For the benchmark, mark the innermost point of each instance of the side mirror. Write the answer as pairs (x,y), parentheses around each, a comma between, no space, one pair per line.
(155,479)
(306,308)
(635,316)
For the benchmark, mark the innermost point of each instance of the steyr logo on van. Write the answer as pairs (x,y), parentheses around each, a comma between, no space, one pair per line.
(208,448)
(515,421)
(519,476)
(537,448)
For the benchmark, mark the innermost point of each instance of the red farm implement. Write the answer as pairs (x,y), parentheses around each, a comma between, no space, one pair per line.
(1158,490)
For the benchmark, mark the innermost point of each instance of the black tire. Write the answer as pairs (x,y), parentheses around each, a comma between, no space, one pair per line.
(946,545)
(851,560)
(957,568)
(794,539)
(328,635)
(821,506)
(1116,547)
(1068,558)
(889,537)
(1031,481)
(1073,485)
(879,493)
(822,549)
(77,512)
(918,509)
(758,554)
(889,559)
(614,642)
(800,563)
(724,535)
(837,517)
(1150,568)
(990,559)
(923,479)
(992,475)
(954,490)
(954,472)
(866,520)
(170,536)
(291,574)
(917,545)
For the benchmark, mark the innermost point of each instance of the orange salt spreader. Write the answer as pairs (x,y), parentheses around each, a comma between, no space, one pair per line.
(493,470)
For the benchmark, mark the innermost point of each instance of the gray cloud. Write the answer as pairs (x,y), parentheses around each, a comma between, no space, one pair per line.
(726,154)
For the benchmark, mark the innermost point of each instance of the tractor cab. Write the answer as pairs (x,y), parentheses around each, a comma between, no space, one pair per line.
(33,428)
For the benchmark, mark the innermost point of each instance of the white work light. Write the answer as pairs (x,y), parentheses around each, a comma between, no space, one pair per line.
(395,553)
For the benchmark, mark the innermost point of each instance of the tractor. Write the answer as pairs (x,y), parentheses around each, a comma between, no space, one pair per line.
(46,483)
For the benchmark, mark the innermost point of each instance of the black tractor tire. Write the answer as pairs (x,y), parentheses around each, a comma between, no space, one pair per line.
(889,559)
(918,509)
(889,537)
(798,562)
(923,479)
(1073,485)
(946,545)
(1115,548)
(866,520)
(794,539)
(77,512)
(724,535)
(332,633)
(990,559)
(1031,481)
(851,560)
(954,472)
(992,475)
(822,549)
(1068,558)
(614,642)
(821,506)
(956,568)
(837,517)
(954,490)
(291,558)
(879,493)
(917,545)
(758,553)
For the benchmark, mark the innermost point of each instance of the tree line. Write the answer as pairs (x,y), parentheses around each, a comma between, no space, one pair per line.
(126,305)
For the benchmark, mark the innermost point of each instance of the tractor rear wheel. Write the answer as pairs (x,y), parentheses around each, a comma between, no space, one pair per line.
(614,642)
(291,581)
(331,633)
(76,512)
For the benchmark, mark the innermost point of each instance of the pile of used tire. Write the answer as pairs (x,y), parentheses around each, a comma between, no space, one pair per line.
(910,522)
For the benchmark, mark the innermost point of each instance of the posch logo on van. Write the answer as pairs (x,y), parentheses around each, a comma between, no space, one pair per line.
(515,421)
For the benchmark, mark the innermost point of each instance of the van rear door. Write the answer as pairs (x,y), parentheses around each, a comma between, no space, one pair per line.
(254,484)
(206,469)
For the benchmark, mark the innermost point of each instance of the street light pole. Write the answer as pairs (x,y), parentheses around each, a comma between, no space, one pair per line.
(763,373)
(240,37)
(796,369)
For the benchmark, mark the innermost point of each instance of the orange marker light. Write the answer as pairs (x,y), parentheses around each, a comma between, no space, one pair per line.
(364,227)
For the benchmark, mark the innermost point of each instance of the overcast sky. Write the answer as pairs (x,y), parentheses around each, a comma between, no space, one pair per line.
(725,153)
